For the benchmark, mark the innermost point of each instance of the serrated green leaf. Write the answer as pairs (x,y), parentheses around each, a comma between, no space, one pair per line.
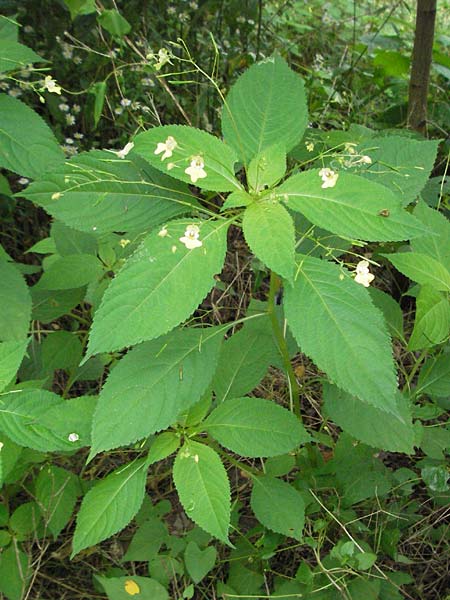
(278,506)
(122,588)
(434,377)
(73,271)
(217,157)
(21,413)
(51,304)
(16,56)
(113,22)
(336,324)
(432,322)
(421,268)
(437,242)
(110,505)
(70,241)
(72,416)
(61,350)
(158,287)
(15,304)
(27,145)
(80,7)
(9,29)
(266,106)
(11,355)
(352,208)
(267,168)
(244,360)
(163,445)
(255,427)
(203,488)
(155,381)
(391,310)
(56,493)
(98,90)
(400,163)
(99,192)
(14,572)
(269,231)
(236,200)
(391,432)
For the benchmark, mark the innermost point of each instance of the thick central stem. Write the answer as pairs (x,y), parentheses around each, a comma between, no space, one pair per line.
(294,389)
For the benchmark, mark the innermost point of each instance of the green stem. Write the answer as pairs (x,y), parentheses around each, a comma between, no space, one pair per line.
(294,390)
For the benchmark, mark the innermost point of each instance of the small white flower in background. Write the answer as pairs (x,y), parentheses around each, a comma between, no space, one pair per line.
(309,146)
(28,29)
(118,110)
(350,148)
(15,92)
(167,147)
(125,150)
(171,10)
(73,437)
(366,160)
(69,141)
(125,102)
(363,275)
(329,178)
(70,119)
(23,181)
(163,232)
(196,169)
(64,107)
(77,60)
(76,108)
(190,238)
(193,5)
(78,136)
(124,243)
(51,86)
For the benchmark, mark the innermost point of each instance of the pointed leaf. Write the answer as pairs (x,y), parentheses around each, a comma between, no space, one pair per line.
(56,493)
(124,588)
(11,355)
(336,324)
(16,56)
(267,168)
(432,322)
(27,145)
(203,488)
(15,304)
(393,433)
(69,272)
(437,242)
(269,231)
(422,268)
(99,192)
(110,505)
(217,157)
(158,287)
(266,106)
(352,208)
(434,377)
(255,427)
(154,383)
(278,506)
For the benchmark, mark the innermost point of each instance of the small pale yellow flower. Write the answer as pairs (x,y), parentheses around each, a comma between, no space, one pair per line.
(73,437)
(163,57)
(166,147)
(309,146)
(127,148)
(350,148)
(363,275)
(366,160)
(329,178)
(163,232)
(190,238)
(174,249)
(196,169)
(170,166)
(56,196)
(124,243)
(51,86)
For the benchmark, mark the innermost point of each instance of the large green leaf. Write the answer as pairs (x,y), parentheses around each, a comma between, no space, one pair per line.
(51,304)
(15,304)
(266,106)
(244,360)
(21,415)
(422,268)
(11,355)
(401,163)
(391,310)
(336,324)
(27,145)
(14,572)
(72,271)
(436,243)
(203,488)
(278,506)
(154,383)
(432,322)
(15,56)
(159,287)
(217,157)
(124,588)
(434,377)
(255,427)
(110,505)
(269,231)
(394,433)
(71,416)
(353,208)
(97,191)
